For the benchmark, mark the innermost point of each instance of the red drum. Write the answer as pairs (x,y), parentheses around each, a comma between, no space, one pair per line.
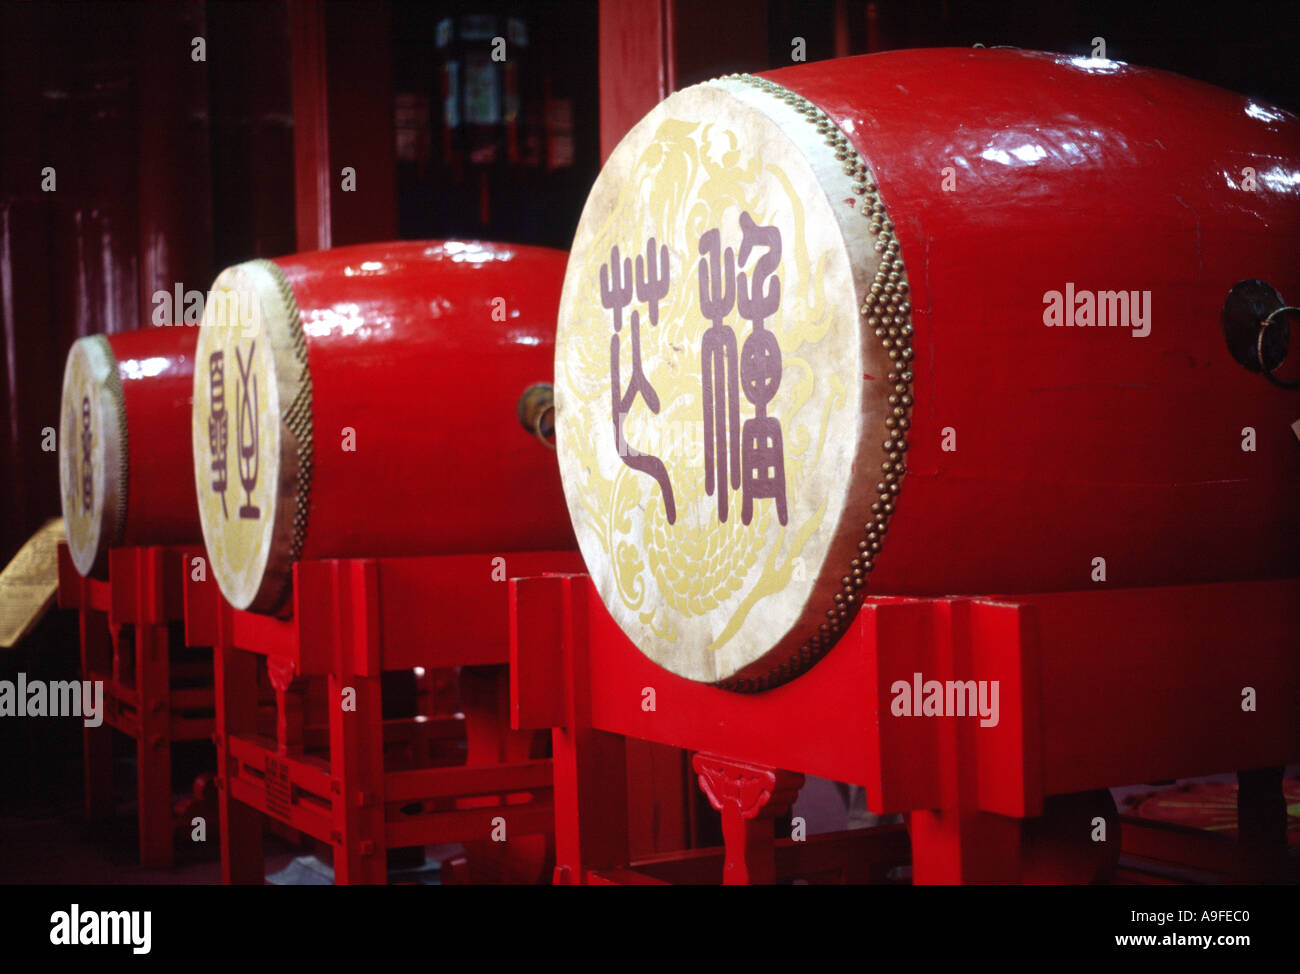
(926,322)
(379,400)
(123,474)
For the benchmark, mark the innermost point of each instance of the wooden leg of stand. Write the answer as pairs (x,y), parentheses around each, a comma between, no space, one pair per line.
(660,792)
(357,761)
(590,803)
(485,701)
(235,677)
(590,766)
(950,847)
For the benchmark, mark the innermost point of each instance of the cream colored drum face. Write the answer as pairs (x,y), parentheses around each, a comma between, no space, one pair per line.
(248,365)
(92,448)
(714,392)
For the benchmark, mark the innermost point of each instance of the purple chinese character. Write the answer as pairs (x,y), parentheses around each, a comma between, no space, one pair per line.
(616,291)
(721,393)
(246,423)
(87,463)
(218,437)
(70,452)
(760,370)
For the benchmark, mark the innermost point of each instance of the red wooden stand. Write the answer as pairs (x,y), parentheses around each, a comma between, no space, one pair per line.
(124,624)
(335,769)
(1096,689)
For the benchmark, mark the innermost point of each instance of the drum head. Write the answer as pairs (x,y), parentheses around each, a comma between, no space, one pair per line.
(92,452)
(251,433)
(722,397)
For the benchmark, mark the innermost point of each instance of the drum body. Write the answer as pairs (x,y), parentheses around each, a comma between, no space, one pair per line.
(363,402)
(923,323)
(124,475)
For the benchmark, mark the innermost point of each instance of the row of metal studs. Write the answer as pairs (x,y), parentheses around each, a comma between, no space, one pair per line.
(887,311)
(298,419)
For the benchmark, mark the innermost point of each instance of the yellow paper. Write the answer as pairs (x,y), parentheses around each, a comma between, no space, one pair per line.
(29,583)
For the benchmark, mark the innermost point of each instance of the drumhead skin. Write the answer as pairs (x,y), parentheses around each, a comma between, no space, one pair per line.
(920,324)
(723,272)
(251,432)
(92,453)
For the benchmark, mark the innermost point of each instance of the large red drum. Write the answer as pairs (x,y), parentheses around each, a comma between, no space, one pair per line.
(926,322)
(378,400)
(124,475)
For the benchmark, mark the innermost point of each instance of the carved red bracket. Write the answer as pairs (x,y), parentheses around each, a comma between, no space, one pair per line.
(290,704)
(749,796)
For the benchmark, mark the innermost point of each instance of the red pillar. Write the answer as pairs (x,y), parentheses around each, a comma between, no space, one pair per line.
(174,171)
(343,117)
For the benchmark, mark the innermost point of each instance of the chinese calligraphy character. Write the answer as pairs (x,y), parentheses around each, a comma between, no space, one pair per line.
(246,422)
(763,452)
(218,437)
(71,453)
(87,465)
(718,368)
(616,290)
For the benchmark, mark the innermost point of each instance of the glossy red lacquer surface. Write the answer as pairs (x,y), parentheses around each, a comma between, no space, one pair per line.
(1076,443)
(423,349)
(156,368)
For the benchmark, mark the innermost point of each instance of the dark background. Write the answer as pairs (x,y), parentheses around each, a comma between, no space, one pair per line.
(168,170)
